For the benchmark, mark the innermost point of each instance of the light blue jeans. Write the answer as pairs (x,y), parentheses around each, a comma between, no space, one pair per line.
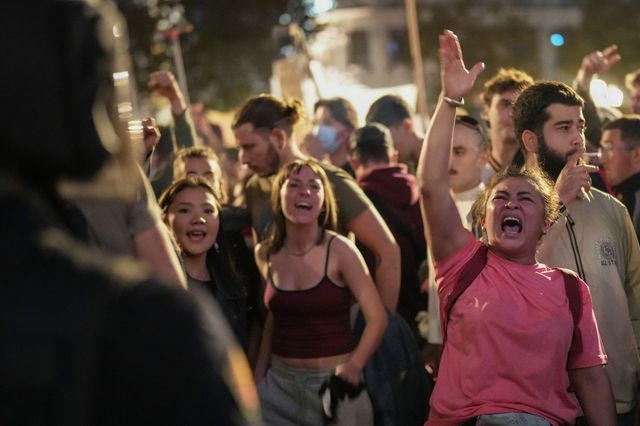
(511,419)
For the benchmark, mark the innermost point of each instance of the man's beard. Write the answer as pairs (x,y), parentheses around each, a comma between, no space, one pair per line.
(273,161)
(550,162)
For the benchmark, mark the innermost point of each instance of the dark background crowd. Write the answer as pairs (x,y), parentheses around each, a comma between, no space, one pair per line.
(141,259)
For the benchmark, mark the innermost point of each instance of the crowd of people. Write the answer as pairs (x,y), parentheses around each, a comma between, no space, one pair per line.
(228,286)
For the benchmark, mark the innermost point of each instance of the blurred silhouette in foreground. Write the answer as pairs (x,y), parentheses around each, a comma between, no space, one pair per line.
(88,339)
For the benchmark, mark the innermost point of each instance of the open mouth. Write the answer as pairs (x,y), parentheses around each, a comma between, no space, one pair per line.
(303,205)
(196,235)
(511,224)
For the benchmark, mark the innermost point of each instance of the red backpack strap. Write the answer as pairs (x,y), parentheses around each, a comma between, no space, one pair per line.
(572,288)
(469,273)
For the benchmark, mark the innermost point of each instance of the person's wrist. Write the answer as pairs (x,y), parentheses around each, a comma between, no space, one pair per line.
(355,363)
(178,106)
(565,203)
(453,102)
(582,80)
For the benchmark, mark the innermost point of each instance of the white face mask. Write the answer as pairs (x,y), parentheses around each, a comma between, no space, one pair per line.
(328,136)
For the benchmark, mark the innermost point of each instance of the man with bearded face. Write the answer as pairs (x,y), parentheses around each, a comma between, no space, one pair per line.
(549,161)
(594,236)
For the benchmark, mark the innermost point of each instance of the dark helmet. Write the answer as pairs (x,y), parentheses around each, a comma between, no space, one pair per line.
(59,104)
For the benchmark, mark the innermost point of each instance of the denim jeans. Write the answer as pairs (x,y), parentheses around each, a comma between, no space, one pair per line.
(511,419)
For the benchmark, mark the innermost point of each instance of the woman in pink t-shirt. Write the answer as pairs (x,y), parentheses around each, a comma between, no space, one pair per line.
(510,355)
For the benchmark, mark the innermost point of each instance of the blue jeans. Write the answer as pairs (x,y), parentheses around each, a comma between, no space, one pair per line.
(511,419)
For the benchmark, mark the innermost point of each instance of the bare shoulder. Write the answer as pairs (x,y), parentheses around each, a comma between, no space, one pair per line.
(340,243)
(345,251)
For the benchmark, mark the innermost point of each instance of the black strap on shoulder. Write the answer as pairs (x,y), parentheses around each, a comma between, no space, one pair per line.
(473,268)
(572,288)
(469,273)
(326,261)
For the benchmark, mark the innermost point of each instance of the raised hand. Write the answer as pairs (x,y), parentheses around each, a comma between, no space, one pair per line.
(150,135)
(601,61)
(457,81)
(597,62)
(574,177)
(165,84)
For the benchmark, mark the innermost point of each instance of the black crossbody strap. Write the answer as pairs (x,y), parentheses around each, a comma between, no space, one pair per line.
(469,273)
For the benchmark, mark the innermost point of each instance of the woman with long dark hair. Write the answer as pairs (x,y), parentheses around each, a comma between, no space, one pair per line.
(312,275)
(191,208)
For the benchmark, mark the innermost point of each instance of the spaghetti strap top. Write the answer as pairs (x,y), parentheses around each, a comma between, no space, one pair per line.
(310,323)
(326,266)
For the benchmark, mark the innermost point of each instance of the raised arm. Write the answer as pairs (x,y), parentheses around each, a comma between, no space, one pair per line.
(443,229)
(165,84)
(594,63)
(183,131)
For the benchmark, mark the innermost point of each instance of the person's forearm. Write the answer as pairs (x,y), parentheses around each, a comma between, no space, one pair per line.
(154,247)
(594,393)
(592,118)
(583,80)
(433,167)
(388,275)
(369,341)
(264,355)
(178,105)
(184,132)
(372,232)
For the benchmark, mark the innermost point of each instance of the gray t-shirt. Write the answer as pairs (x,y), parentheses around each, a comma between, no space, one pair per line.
(113,223)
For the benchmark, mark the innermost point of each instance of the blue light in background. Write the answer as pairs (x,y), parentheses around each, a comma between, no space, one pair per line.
(557,39)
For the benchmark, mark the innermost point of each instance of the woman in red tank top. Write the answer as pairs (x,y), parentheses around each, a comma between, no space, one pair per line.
(312,275)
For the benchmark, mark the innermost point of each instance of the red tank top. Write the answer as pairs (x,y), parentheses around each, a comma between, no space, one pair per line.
(311,323)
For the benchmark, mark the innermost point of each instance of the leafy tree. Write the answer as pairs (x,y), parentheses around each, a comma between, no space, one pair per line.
(228,54)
